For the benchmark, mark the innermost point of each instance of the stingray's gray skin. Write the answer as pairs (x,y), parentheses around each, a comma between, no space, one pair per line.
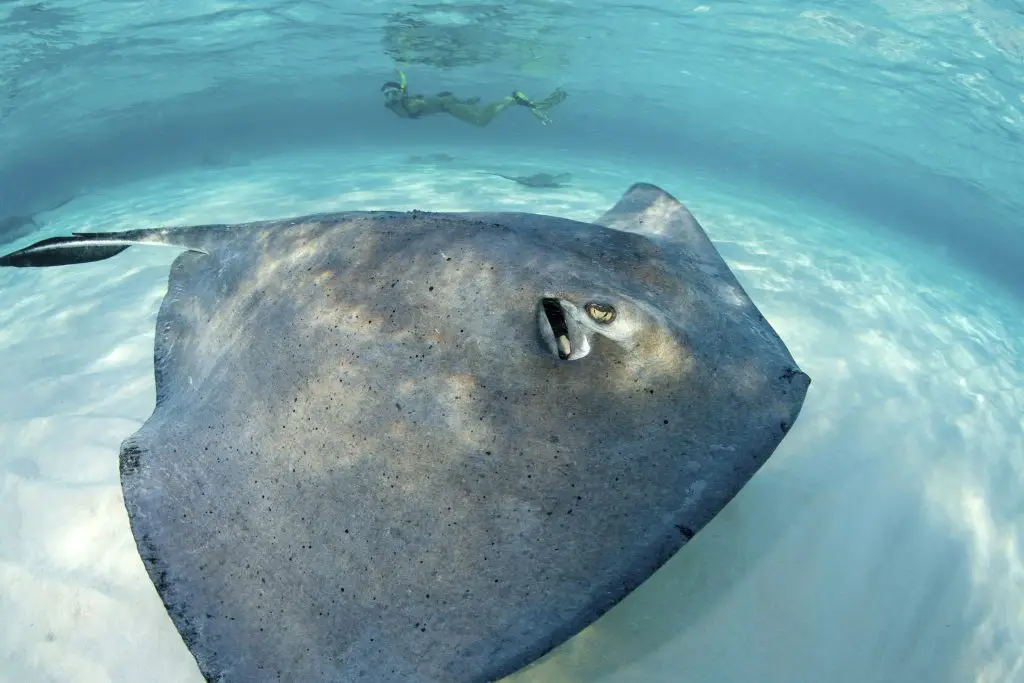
(537,179)
(13,228)
(372,460)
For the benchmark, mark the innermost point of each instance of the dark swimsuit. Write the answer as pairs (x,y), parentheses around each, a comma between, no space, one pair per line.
(408,112)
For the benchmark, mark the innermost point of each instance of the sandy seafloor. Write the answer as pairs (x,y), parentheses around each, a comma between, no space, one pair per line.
(882,542)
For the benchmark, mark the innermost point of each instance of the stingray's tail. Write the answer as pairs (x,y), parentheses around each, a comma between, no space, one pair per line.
(65,250)
(86,247)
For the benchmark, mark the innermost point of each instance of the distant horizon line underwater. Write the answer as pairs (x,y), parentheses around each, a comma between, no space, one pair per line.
(479,345)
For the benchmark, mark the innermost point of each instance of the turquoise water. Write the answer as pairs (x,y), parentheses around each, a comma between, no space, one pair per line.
(857,164)
(902,114)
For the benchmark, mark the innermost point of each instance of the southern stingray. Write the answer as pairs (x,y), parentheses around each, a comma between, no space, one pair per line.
(536,180)
(428,447)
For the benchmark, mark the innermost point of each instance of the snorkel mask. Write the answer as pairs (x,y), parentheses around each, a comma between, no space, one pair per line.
(392,91)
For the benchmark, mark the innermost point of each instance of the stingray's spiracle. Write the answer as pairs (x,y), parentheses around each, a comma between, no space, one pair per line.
(556,318)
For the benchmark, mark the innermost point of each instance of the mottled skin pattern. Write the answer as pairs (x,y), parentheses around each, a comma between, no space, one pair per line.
(365,464)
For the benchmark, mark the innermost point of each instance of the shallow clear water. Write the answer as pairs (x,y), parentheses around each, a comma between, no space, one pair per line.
(857,164)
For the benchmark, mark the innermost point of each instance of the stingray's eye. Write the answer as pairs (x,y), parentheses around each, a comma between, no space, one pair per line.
(600,313)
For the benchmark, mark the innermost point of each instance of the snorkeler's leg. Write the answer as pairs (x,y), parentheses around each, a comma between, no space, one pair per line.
(557,97)
(538,108)
(452,99)
(475,114)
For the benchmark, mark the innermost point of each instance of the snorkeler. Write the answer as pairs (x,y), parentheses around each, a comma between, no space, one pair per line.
(398,100)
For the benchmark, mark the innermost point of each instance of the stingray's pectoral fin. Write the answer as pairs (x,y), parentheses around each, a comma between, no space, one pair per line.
(86,247)
(648,209)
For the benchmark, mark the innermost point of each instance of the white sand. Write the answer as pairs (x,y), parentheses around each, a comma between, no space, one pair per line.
(882,542)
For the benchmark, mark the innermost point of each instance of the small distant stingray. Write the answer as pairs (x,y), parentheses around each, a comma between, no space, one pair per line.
(13,228)
(438,158)
(430,447)
(537,179)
